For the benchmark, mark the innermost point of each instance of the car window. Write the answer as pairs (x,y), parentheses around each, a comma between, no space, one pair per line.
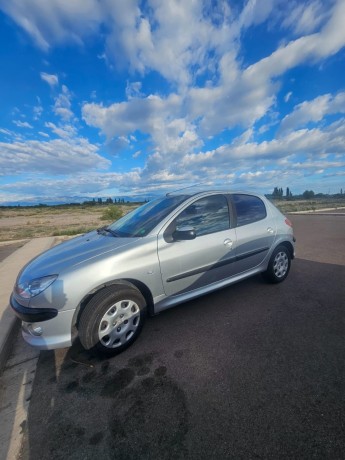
(207,215)
(249,209)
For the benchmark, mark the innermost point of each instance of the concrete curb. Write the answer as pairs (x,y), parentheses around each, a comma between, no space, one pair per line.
(9,269)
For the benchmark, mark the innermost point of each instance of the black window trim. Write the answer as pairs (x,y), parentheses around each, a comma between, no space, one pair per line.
(233,207)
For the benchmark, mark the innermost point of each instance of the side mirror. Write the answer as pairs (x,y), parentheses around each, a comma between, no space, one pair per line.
(184,233)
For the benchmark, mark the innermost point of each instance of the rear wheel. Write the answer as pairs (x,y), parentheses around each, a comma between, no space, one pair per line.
(112,320)
(279,265)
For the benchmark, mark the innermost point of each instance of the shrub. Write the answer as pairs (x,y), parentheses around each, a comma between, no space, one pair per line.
(112,213)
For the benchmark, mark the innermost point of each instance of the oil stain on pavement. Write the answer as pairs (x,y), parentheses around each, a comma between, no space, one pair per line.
(97,409)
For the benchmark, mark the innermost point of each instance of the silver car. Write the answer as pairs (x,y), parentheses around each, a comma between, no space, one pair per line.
(101,285)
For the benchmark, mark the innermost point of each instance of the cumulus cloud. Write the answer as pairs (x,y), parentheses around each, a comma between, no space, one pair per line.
(168,37)
(195,47)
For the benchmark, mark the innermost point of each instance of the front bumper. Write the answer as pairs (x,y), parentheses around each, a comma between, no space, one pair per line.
(32,314)
(45,328)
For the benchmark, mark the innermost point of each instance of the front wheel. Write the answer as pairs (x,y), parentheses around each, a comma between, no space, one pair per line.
(278,266)
(112,320)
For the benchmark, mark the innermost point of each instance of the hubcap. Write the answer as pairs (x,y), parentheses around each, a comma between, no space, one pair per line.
(280,264)
(119,323)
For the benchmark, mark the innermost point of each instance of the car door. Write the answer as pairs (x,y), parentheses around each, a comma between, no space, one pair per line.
(255,231)
(187,265)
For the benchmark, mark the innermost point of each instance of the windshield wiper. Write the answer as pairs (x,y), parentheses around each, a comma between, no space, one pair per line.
(108,230)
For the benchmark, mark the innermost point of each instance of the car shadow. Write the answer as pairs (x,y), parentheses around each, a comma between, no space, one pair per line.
(252,370)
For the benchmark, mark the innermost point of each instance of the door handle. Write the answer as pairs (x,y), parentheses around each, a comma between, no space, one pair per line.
(228,243)
(270,230)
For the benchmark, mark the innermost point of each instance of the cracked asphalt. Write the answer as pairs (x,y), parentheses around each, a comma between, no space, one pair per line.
(254,371)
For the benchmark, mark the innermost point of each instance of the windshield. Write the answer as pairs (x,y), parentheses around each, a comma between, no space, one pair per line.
(145,218)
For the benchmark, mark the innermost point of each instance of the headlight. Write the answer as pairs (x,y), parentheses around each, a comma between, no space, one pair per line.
(34,287)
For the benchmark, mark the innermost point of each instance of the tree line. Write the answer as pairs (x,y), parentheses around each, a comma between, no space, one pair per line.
(278,193)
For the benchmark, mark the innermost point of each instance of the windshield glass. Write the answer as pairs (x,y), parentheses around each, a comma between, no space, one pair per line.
(145,218)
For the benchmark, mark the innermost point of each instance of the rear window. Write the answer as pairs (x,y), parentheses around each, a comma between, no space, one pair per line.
(249,209)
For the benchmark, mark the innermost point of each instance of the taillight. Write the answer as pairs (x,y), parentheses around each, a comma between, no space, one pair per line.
(288,222)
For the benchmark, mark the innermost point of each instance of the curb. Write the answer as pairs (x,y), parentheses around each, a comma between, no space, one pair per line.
(9,269)
(7,341)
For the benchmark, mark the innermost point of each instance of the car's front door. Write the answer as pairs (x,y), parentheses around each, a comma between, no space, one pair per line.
(187,265)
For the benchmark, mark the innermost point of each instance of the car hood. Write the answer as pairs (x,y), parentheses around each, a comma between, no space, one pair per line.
(71,253)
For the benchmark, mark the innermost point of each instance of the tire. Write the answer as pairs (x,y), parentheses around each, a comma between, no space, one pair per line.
(279,265)
(112,320)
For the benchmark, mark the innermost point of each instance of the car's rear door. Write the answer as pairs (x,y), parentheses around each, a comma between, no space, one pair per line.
(255,231)
(192,264)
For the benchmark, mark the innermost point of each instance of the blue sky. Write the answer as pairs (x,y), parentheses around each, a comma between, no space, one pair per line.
(108,97)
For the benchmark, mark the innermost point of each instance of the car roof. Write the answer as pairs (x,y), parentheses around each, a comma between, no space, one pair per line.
(206,191)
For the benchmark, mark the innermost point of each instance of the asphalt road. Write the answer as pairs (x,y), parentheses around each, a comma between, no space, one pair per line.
(255,371)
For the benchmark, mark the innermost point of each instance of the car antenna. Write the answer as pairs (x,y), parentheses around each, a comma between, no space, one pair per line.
(185,188)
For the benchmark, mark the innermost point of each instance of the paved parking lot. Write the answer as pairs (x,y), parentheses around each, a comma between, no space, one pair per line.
(252,371)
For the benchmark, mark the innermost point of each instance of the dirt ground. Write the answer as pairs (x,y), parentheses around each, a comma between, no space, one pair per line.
(25,223)
(29,226)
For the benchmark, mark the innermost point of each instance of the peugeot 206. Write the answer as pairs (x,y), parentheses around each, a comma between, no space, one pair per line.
(100,286)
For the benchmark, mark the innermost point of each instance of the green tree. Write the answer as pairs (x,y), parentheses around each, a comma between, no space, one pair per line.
(308,194)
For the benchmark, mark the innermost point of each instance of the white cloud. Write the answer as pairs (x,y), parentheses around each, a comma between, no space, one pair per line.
(133,89)
(22,124)
(62,106)
(287,96)
(308,48)
(195,46)
(55,157)
(313,111)
(37,110)
(63,131)
(78,184)
(7,132)
(56,21)
(168,37)
(306,17)
(52,80)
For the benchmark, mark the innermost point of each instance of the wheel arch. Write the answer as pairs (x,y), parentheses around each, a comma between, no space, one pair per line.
(289,247)
(140,286)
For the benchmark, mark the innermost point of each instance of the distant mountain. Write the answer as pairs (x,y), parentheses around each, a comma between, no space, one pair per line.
(72,200)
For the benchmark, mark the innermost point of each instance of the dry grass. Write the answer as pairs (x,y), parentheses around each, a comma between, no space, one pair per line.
(28,222)
(309,205)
